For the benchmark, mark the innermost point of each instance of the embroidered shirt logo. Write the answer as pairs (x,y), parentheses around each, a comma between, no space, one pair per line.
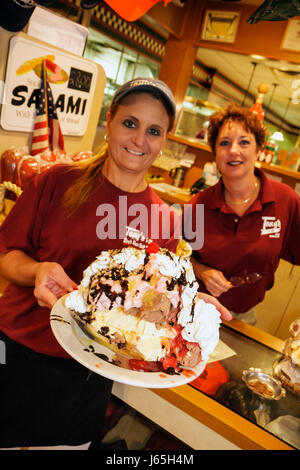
(136,238)
(271,227)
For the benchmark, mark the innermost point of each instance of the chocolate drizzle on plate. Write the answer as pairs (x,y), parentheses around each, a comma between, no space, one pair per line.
(104,357)
(58,318)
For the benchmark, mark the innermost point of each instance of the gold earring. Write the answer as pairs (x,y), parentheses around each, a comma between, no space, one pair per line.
(160,153)
(105,138)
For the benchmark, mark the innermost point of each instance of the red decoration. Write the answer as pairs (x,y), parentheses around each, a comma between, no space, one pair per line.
(134,9)
(258,110)
(27,168)
(82,156)
(213,376)
(9,163)
(152,248)
(18,166)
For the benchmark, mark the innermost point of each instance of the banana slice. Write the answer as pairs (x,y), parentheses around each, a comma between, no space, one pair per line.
(184,249)
(31,64)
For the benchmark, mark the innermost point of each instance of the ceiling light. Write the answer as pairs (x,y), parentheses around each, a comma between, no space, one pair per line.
(277,136)
(257,57)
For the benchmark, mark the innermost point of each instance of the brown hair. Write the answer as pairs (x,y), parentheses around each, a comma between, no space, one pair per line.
(91,169)
(234,112)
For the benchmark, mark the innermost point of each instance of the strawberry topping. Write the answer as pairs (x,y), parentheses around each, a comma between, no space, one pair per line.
(152,248)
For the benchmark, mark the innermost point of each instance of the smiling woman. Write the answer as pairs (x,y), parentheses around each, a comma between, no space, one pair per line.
(236,213)
(236,136)
(143,137)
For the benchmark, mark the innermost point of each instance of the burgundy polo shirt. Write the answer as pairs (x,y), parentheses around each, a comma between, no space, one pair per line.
(253,243)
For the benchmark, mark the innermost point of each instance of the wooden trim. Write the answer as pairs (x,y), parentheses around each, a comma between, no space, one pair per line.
(240,431)
(281,170)
(184,141)
(255,333)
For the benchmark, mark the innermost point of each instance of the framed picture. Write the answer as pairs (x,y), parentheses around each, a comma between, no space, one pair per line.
(220,26)
(291,37)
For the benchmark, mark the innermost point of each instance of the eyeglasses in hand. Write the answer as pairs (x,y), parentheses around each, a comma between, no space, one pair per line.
(251,278)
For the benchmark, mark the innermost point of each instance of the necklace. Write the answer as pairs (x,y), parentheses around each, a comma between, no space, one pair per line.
(244,200)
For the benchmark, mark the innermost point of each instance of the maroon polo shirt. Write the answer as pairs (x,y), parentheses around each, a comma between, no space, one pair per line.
(253,243)
(38,225)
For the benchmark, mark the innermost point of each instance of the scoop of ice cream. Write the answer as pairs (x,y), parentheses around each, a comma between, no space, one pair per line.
(147,305)
(289,368)
(289,375)
(291,348)
(295,328)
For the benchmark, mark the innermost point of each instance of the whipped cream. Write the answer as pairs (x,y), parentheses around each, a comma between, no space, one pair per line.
(76,301)
(203,328)
(102,262)
(295,352)
(130,258)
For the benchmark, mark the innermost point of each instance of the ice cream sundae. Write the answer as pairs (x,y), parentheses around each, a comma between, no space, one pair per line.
(288,368)
(144,305)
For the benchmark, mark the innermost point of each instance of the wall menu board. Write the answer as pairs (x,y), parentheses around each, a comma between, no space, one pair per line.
(72,80)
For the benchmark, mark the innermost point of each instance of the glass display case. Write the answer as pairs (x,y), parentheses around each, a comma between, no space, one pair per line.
(193,118)
(280,417)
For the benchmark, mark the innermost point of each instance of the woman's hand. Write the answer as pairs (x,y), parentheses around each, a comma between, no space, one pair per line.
(225,314)
(213,279)
(49,280)
(51,283)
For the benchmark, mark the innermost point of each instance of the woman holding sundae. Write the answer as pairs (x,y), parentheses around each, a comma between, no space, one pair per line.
(251,221)
(61,222)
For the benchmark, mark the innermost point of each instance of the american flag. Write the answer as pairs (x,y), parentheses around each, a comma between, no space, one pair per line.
(46,132)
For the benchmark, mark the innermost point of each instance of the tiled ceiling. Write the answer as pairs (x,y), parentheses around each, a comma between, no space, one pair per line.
(238,68)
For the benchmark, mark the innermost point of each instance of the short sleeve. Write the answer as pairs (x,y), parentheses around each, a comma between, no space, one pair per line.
(21,228)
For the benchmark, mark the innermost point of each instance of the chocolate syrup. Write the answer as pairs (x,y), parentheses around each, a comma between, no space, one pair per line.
(59,318)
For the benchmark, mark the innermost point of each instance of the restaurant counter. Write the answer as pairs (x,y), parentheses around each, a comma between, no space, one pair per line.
(235,417)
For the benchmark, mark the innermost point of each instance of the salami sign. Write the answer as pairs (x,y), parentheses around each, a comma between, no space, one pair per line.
(72,81)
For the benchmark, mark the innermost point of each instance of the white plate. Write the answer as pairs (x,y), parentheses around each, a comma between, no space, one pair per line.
(86,351)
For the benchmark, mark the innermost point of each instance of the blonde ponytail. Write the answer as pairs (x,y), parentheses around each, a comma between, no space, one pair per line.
(91,176)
